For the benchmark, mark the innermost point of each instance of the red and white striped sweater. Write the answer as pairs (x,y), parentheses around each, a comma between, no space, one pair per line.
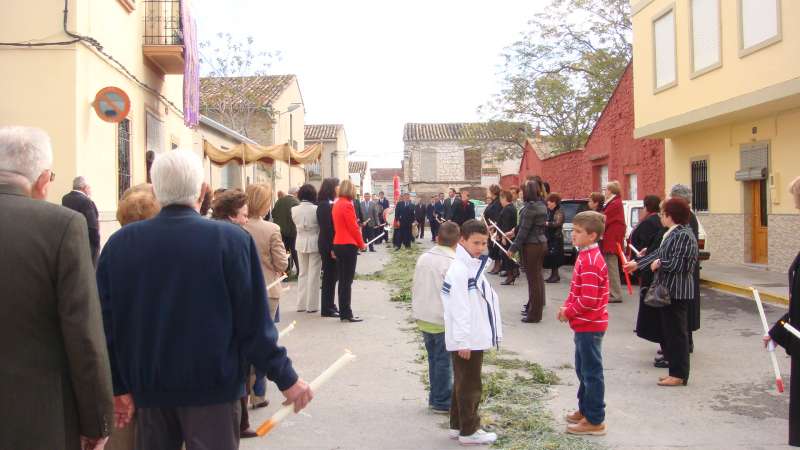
(587,303)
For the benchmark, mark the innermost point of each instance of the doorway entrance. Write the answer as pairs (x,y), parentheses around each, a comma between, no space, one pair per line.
(759,220)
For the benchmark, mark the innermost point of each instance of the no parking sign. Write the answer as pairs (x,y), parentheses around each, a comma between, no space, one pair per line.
(112,104)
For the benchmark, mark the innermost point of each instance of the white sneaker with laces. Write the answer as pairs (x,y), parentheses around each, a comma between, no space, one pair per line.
(453,434)
(480,437)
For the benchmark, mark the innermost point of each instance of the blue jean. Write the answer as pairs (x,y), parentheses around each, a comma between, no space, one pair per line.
(440,371)
(589,367)
(260,385)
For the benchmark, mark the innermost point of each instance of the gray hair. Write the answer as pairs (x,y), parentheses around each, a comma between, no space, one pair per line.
(681,191)
(177,178)
(293,191)
(78,183)
(25,151)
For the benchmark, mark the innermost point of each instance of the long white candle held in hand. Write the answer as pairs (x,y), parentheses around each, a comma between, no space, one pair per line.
(287,330)
(376,238)
(497,228)
(634,250)
(775,368)
(275,283)
(284,412)
(791,329)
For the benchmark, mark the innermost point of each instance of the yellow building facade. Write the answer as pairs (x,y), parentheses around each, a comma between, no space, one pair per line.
(54,86)
(719,80)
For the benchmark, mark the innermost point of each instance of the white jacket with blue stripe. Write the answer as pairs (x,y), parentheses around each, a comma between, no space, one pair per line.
(471,307)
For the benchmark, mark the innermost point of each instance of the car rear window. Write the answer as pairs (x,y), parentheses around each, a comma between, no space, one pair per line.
(571,208)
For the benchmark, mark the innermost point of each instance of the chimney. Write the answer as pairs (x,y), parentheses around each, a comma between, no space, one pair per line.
(538,134)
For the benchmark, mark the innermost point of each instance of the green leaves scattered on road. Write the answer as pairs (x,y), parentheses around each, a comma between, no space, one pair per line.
(399,273)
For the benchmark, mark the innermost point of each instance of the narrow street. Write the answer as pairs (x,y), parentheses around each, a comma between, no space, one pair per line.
(380,402)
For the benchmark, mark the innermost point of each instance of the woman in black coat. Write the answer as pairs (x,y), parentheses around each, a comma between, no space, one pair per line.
(788,341)
(646,238)
(674,262)
(492,212)
(555,237)
(328,192)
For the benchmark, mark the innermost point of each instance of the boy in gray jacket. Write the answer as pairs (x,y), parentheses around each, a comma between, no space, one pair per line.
(426,304)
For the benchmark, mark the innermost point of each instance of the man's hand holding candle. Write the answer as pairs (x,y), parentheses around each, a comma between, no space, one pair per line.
(299,394)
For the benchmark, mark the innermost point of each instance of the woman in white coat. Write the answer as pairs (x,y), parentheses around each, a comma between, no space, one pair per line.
(304,216)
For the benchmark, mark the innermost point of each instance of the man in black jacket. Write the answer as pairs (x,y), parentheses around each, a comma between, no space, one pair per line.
(404,214)
(448,205)
(463,209)
(79,200)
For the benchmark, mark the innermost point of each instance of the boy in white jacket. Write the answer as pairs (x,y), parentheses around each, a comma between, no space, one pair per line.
(472,324)
(426,308)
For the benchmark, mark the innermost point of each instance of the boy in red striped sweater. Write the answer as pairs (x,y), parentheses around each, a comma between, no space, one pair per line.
(586,311)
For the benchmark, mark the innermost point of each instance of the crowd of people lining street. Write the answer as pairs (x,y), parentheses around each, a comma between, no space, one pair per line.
(167,332)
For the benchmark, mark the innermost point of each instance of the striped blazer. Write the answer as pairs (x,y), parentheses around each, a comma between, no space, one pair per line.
(678,255)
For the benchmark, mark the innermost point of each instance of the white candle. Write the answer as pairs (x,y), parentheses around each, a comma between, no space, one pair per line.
(288,329)
(376,238)
(284,412)
(275,283)
(791,329)
(775,368)
(498,228)
(635,251)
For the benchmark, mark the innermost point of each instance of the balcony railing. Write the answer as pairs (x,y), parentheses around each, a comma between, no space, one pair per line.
(163,35)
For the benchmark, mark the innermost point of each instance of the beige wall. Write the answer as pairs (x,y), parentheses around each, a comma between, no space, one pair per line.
(737,76)
(54,87)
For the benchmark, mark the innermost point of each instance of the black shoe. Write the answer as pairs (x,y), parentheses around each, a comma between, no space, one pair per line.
(244,434)
(658,359)
(663,364)
(526,320)
(263,404)
(352,319)
(553,280)
(330,314)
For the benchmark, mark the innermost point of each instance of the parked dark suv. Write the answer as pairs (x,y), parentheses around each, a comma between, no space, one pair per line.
(570,209)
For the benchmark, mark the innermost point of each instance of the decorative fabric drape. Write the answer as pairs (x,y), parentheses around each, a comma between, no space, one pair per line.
(249,153)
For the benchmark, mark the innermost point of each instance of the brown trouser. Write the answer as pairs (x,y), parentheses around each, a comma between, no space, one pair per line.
(467,389)
(534,259)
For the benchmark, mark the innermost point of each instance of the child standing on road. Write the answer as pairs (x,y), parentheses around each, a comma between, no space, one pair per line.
(426,306)
(471,325)
(586,309)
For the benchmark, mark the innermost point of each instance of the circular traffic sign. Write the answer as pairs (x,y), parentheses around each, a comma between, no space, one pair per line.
(112,104)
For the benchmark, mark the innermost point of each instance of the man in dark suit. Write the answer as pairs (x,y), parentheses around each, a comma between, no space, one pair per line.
(449,203)
(79,199)
(404,214)
(434,212)
(463,209)
(384,203)
(282,216)
(55,387)
(196,287)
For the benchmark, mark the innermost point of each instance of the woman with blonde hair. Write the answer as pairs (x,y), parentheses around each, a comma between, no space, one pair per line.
(347,240)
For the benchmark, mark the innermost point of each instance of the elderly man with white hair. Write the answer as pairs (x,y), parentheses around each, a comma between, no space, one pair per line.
(185,312)
(55,382)
(80,199)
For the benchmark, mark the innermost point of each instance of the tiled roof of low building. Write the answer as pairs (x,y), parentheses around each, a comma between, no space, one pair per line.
(357,167)
(383,174)
(453,131)
(322,132)
(256,89)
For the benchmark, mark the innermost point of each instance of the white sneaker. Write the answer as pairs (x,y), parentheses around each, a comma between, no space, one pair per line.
(480,437)
(453,434)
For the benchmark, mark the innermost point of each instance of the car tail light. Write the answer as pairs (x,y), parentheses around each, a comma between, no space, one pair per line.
(701,244)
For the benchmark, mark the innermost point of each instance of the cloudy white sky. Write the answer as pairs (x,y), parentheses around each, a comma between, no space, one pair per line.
(375,65)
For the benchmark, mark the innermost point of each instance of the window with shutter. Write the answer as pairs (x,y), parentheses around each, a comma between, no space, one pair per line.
(472,164)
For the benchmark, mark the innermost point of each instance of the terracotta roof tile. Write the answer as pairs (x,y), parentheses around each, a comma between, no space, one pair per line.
(449,131)
(386,174)
(262,89)
(322,132)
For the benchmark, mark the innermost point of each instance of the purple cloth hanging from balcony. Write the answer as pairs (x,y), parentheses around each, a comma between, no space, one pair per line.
(191,71)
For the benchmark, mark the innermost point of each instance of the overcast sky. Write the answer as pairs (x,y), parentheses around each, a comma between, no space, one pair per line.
(375,65)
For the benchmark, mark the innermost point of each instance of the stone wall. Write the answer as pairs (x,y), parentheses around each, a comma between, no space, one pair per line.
(784,240)
(725,237)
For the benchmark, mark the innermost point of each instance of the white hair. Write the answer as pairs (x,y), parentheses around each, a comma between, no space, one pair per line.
(177,178)
(681,191)
(25,151)
(78,183)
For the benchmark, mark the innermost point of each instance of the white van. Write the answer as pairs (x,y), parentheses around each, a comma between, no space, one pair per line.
(634,212)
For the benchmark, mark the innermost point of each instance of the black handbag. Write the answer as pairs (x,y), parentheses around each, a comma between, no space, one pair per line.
(657,295)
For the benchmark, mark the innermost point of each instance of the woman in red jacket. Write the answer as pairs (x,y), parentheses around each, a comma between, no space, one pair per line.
(347,241)
(614,234)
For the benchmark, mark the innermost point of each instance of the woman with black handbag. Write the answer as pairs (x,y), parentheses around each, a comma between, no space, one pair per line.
(674,261)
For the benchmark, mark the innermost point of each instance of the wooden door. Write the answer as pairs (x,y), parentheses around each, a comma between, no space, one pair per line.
(760,218)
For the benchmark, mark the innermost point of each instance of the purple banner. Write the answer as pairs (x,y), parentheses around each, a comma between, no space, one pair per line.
(191,70)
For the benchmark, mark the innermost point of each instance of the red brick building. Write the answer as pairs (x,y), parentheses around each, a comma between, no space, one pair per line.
(611,153)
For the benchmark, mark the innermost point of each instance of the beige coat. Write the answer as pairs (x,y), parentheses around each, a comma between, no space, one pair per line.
(271,251)
(305,220)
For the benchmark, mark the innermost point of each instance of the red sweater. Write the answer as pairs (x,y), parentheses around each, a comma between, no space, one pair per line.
(345,224)
(587,303)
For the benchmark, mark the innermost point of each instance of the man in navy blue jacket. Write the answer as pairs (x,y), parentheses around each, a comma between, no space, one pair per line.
(185,314)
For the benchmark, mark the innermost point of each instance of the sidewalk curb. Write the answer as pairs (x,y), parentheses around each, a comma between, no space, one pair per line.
(744,291)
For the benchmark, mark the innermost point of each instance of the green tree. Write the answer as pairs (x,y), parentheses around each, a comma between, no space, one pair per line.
(564,68)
